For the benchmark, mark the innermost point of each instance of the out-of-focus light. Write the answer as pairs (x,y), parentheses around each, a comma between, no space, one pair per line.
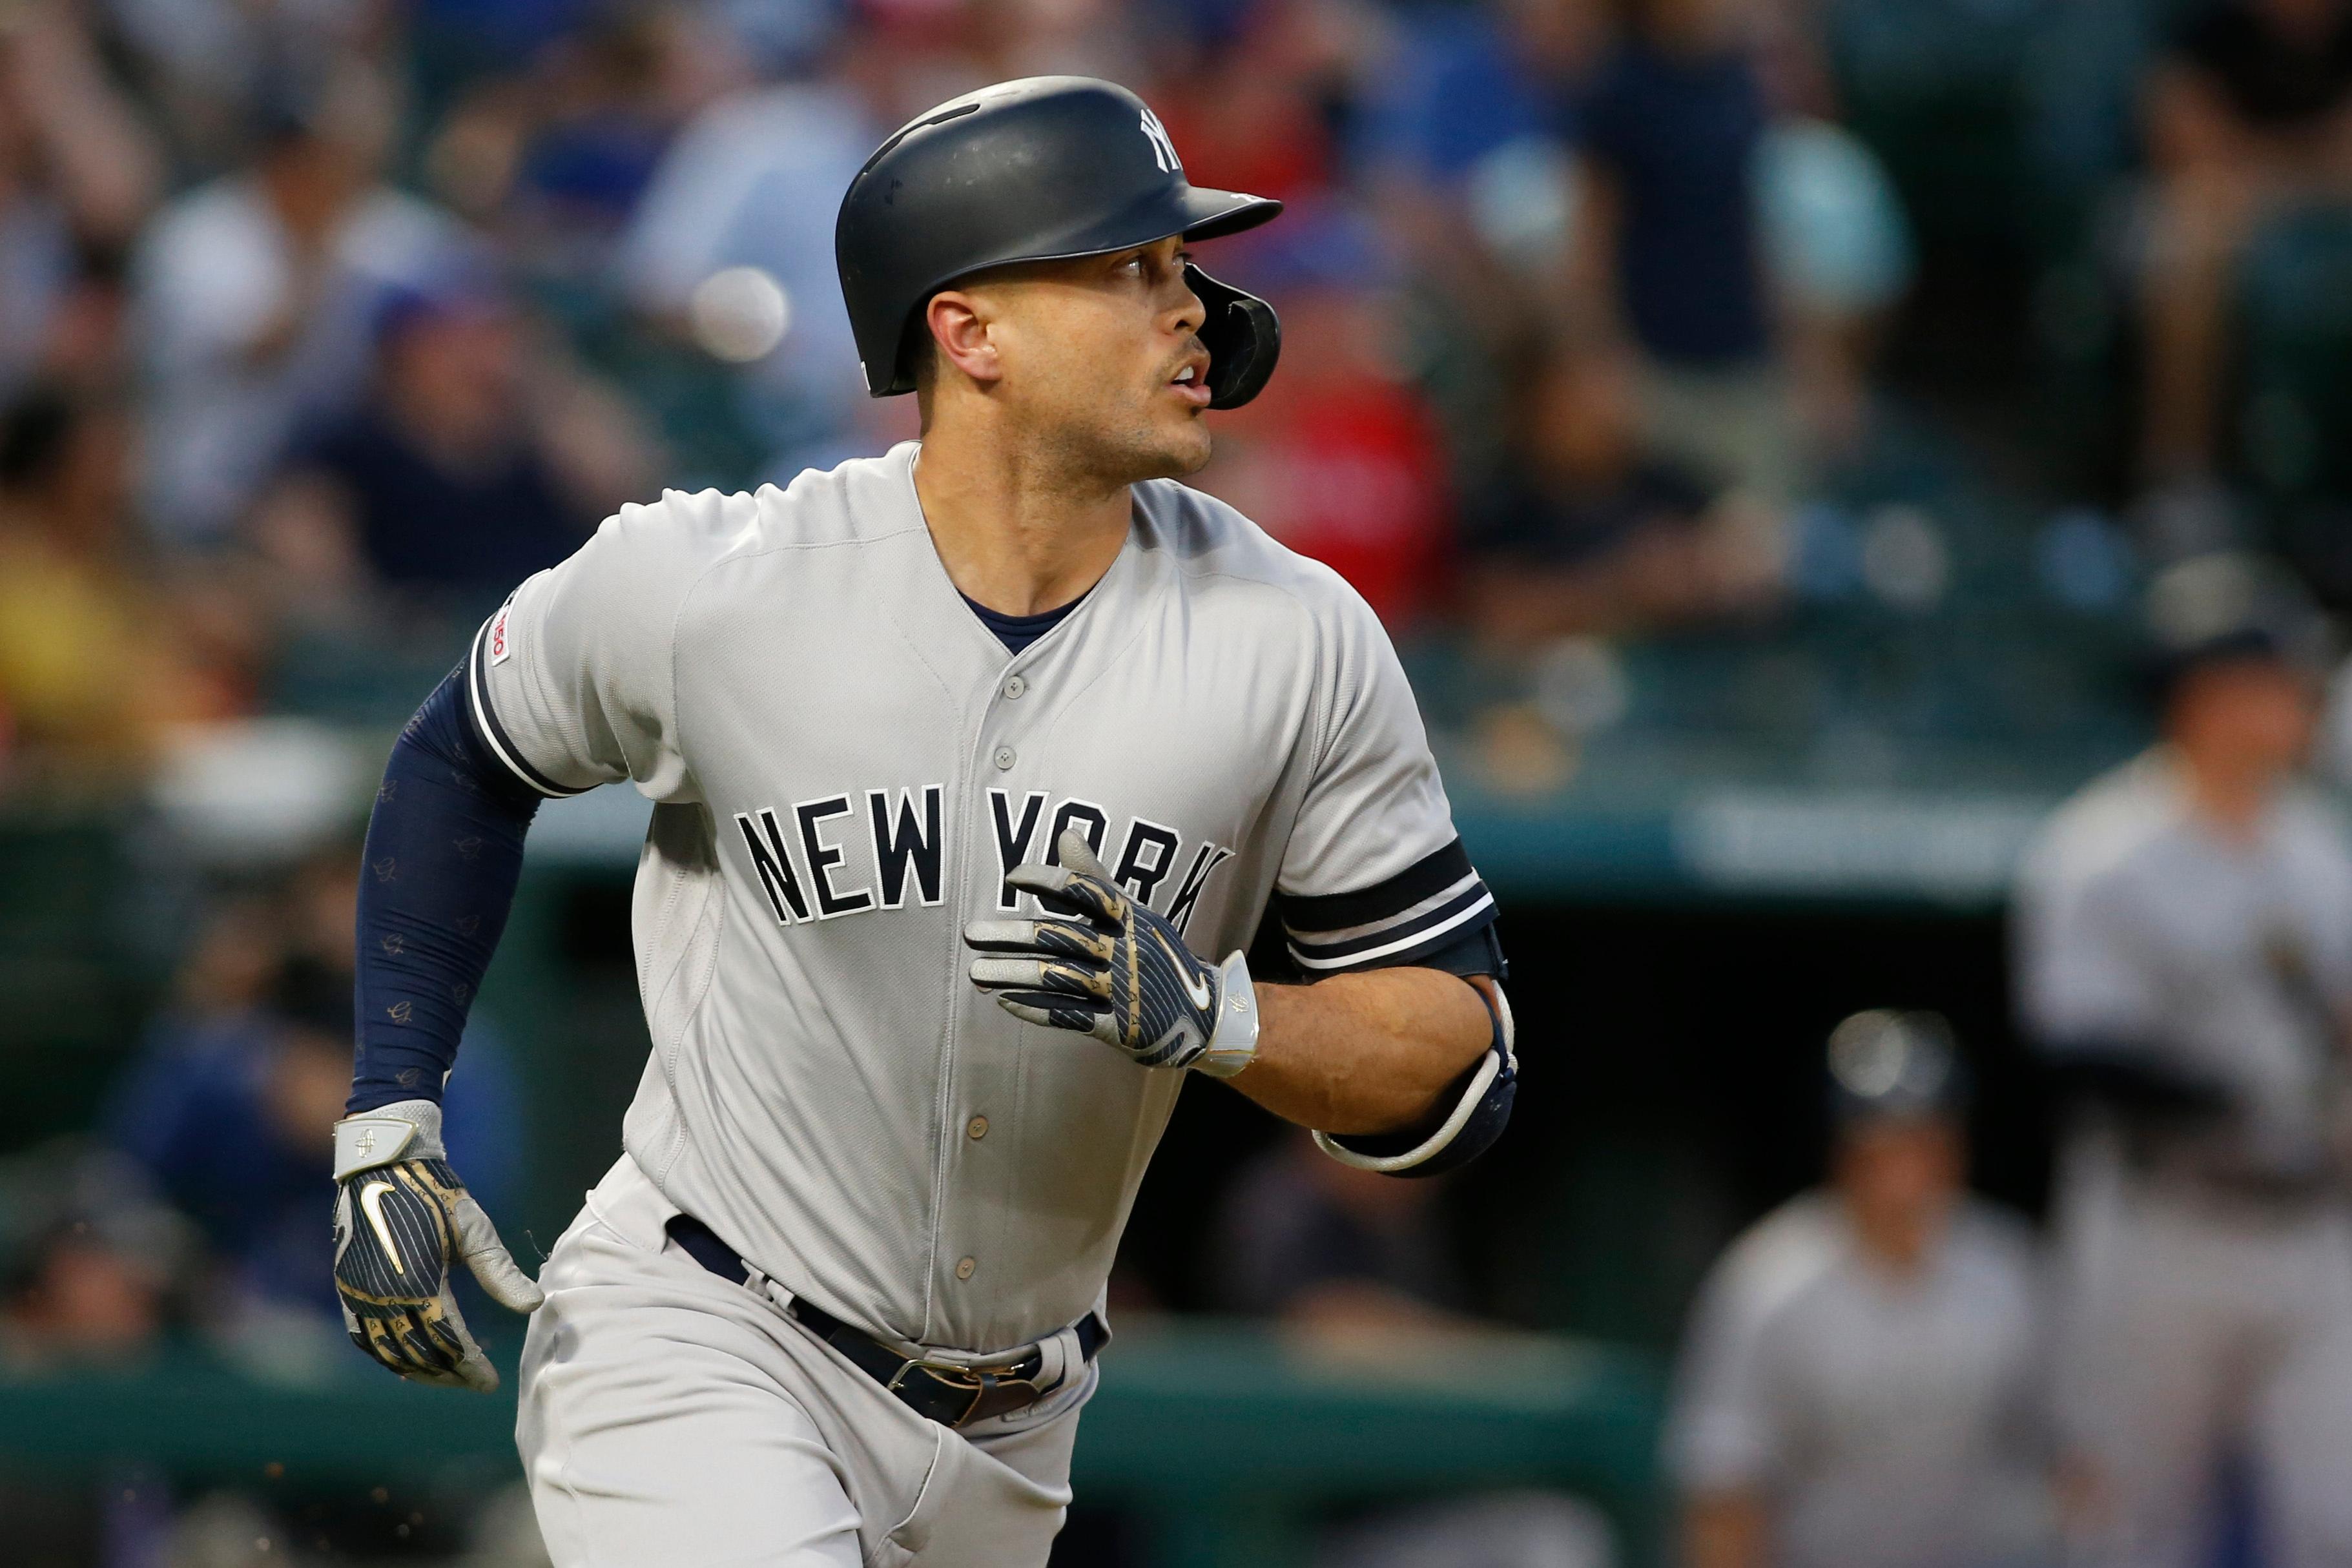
(1524,198)
(1903,558)
(1580,686)
(2084,561)
(1826,562)
(740,314)
(2204,598)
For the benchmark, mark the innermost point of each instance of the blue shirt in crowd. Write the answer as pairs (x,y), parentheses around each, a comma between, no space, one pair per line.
(1680,134)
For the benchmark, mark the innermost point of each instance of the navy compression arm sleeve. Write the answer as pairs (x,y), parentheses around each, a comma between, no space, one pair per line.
(443,851)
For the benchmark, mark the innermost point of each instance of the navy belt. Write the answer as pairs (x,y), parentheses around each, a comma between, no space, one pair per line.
(951,1395)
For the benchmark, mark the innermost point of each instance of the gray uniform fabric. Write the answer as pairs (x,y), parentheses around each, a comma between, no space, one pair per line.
(2233,961)
(669,1416)
(2206,1275)
(1888,1421)
(845,764)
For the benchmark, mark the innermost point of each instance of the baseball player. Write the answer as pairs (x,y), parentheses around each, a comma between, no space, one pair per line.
(2185,954)
(968,762)
(1859,1386)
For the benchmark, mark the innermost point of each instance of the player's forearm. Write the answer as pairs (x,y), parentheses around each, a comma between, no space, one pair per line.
(1365,1053)
(444,852)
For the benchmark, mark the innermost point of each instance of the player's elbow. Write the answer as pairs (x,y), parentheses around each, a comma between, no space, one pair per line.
(1466,1119)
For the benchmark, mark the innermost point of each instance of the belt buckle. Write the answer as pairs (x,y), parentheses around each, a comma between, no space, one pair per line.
(979,1381)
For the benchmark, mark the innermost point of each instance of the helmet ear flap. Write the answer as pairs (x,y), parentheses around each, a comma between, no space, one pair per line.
(1243,335)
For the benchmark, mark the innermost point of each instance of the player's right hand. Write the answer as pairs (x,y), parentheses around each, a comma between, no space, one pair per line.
(1102,964)
(400,1216)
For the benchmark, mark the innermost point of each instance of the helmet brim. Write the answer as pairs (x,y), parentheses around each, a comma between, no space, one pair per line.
(1193,212)
(1189,211)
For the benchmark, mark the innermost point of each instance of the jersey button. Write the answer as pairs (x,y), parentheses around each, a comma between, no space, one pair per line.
(964,1266)
(977,1128)
(1013,687)
(1006,758)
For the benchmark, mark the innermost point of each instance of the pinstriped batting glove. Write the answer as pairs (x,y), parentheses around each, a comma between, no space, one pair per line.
(1107,966)
(400,1216)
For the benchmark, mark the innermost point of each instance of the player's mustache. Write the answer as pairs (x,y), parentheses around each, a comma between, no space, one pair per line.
(1194,348)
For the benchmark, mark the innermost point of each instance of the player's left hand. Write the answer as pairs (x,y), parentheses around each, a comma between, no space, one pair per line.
(1104,965)
(402,1220)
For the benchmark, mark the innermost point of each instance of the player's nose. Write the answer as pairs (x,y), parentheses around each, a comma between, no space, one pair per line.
(1190,314)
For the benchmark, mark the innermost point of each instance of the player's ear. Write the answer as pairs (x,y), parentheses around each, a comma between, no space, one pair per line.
(958,324)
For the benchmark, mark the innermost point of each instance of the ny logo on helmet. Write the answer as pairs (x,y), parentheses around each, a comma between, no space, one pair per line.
(1163,151)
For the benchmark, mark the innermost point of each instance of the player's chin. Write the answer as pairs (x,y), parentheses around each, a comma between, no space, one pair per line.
(1186,445)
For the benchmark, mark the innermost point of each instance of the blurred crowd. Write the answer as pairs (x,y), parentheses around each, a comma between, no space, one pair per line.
(322,322)
(332,321)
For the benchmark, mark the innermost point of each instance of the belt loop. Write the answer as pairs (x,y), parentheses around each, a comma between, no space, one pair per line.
(1058,1353)
(759,1284)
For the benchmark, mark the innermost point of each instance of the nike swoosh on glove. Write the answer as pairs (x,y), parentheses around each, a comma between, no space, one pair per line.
(400,1216)
(1103,964)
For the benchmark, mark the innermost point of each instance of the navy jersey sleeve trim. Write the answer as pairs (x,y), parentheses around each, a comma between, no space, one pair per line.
(485,718)
(1427,908)
(1477,951)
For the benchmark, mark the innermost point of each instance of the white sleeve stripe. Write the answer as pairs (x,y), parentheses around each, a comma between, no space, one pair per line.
(1442,918)
(1386,922)
(486,725)
(1412,938)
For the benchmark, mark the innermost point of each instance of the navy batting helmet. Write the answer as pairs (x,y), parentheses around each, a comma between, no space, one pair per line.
(1042,169)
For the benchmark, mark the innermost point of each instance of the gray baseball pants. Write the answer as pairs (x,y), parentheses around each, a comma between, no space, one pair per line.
(2194,1328)
(670,1417)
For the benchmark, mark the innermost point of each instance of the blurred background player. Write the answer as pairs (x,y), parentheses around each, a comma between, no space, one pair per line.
(1859,1386)
(2185,955)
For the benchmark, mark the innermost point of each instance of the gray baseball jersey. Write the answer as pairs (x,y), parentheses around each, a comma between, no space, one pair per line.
(1888,1421)
(2198,1316)
(2139,924)
(846,762)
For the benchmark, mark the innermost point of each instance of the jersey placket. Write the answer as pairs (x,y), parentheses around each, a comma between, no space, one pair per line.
(978,1148)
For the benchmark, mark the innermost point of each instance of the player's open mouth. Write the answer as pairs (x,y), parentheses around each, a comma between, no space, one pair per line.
(1192,384)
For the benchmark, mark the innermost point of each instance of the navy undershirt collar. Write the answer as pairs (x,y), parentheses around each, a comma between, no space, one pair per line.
(1017,632)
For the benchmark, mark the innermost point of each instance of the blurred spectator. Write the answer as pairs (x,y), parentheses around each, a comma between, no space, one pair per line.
(1464,140)
(205,65)
(1587,531)
(2249,113)
(92,1275)
(474,462)
(1837,249)
(254,295)
(1341,459)
(1667,235)
(98,653)
(1360,1263)
(755,182)
(2185,954)
(88,1262)
(554,159)
(1250,91)
(1860,1385)
(78,175)
(1460,84)
(226,1104)
(1745,260)
(1335,1250)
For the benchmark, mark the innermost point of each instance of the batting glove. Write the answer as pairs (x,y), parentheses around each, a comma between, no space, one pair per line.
(401,1213)
(1106,965)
